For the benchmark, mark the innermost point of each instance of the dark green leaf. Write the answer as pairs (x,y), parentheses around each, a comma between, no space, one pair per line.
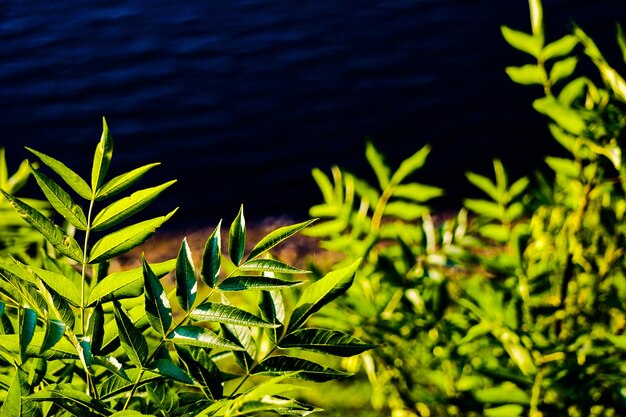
(102,157)
(125,239)
(310,371)
(211,257)
(28,323)
(322,292)
(111,340)
(61,350)
(158,307)
(95,328)
(123,181)
(126,207)
(202,369)
(220,313)
(169,369)
(74,401)
(275,237)
(242,283)
(66,245)
(60,200)
(241,336)
(186,283)
(126,284)
(131,338)
(326,341)
(201,337)
(70,177)
(237,238)
(112,364)
(54,332)
(272,309)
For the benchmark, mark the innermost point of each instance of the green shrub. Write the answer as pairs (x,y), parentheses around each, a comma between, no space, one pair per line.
(78,340)
(515,306)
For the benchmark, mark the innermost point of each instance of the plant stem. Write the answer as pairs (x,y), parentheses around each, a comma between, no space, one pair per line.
(134,389)
(83,275)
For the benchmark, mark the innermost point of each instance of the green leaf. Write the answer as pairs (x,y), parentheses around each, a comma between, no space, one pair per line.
(417,192)
(95,328)
(324,184)
(158,307)
(563,69)
(509,410)
(484,184)
(60,200)
(102,157)
(167,368)
(621,41)
(241,336)
(66,245)
(272,308)
(211,257)
(377,163)
(325,341)
(202,368)
(563,166)
(28,323)
(237,238)
(111,340)
(572,90)
(71,178)
(123,181)
(405,211)
(70,399)
(410,165)
(54,332)
(269,265)
(125,239)
(116,385)
(523,41)
(307,370)
(56,305)
(131,338)
(560,47)
(61,285)
(277,236)
(242,283)
(186,283)
(484,208)
(61,350)
(565,117)
(529,74)
(127,207)
(16,403)
(126,284)
(220,313)
(322,292)
(201,337)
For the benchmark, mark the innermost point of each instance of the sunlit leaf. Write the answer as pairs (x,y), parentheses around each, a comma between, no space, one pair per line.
(60,200)
(410,165)
(377,163)
(523,41)
(123,181)
(127,207)
(321,292)
(16,403)
(560,47)
(326,341)
(277,236)
(563,69)
(269,265)
(70,177)
(66,245)
(102,157)
(528,74)
(310,371)
(67,397)
(242,283)
(201,337)
(125,239)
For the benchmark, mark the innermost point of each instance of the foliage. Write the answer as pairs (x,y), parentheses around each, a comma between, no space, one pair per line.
(515,306)
(76,339)
(16,238)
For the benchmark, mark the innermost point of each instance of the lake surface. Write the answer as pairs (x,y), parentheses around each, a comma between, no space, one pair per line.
(240,99)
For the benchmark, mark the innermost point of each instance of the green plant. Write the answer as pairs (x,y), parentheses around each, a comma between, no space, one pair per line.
(16,238)
(78,340)
(518,308)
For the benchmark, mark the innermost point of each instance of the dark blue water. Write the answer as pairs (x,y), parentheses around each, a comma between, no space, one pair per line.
(240,99)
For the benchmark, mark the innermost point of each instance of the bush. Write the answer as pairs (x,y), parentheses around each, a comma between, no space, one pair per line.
(515,306)
(76,339)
